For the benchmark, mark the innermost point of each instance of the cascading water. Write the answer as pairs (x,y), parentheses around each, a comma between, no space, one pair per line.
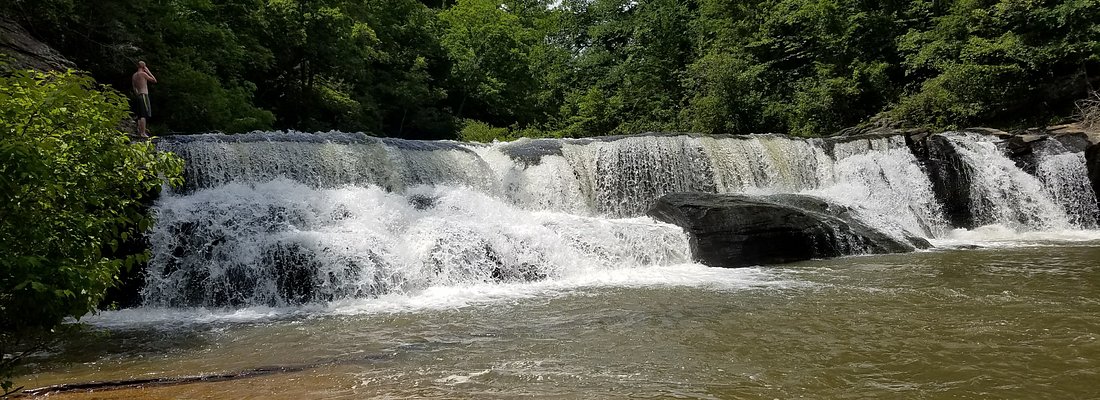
(1064,175)
(281,242)
(288,218)
(327,160)
(1002,193)
(883,181)
(769,164)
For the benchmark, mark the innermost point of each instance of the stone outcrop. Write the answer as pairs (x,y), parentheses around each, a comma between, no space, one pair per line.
(1092,159)
(739,231)
(950,178)
(28,52)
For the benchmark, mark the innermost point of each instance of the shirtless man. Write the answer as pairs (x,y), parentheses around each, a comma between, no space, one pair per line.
(142,108)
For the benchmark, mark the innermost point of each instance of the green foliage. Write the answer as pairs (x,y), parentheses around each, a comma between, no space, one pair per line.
(72,191)
(477,131)
(490,48)
(199,102)
(982,61)
(420,69)
(805,67)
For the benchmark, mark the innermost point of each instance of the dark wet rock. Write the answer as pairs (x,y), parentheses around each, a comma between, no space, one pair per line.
(1076,141)
(479,252)
(917,137)
(531,151)
(830,143)
(950,177)
(1092,159)
(28,52)
(301,274)
(1021,146)
(422,202)
(1092,135)
(294,269)
(739,231)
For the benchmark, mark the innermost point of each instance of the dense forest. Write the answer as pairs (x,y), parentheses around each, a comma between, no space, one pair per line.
(484,69)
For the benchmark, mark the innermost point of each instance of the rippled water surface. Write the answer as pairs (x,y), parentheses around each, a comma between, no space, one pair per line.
(987,323)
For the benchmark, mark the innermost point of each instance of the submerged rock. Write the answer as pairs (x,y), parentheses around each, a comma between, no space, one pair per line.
(739,231)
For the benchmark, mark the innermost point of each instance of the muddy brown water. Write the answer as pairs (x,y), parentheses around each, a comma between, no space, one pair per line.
(990,323)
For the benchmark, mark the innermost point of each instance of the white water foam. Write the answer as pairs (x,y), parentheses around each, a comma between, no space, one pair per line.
(766,164)
(282,242)
(1002,193)
(1065,178)
(451,297)
(887,187)
(1006,236)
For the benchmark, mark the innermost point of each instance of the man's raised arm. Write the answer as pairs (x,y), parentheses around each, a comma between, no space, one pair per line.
(149,75)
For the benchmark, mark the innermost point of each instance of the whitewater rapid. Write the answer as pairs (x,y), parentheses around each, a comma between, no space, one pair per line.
(279,220)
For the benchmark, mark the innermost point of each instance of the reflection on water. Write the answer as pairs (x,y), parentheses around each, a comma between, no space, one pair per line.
(993,323)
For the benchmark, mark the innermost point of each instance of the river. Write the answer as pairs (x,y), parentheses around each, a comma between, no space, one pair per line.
(1017,320)
(339,265)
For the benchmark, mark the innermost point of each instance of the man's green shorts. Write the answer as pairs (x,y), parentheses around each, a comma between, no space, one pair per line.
(142,108)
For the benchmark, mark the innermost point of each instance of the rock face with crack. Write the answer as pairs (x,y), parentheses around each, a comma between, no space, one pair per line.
(738,231)
(28,52)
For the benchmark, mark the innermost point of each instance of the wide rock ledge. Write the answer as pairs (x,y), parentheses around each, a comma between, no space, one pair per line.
(739,231)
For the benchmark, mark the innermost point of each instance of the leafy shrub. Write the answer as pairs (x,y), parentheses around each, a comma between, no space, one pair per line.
(477,131)
(72,190)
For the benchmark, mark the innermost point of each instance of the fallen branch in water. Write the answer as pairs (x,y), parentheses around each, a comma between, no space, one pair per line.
(183,380)
(140,383)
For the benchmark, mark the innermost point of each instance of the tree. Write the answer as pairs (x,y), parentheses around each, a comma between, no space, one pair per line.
(206,53)
(1004,61)
(407,78)
(490,46)
(73,189)
(808,67)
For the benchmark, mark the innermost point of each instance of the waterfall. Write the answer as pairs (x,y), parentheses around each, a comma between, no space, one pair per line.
(272,218)
(1002,193)
(1064,175)
(883,180)
(282,242)
(770,164)
(327,160)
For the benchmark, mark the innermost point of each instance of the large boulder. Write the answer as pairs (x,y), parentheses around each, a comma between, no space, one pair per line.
(737,231)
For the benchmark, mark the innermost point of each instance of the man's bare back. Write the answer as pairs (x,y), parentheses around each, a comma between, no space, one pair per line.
(141,79)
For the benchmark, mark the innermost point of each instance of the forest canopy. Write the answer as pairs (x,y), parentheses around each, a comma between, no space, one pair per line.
(487,69)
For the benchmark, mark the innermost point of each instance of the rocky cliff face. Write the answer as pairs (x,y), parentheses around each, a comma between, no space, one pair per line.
(28,52)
